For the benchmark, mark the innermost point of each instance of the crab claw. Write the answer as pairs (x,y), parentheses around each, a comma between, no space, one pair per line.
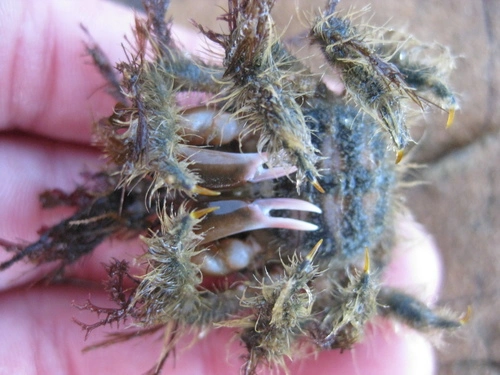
(226,170)
(236,217)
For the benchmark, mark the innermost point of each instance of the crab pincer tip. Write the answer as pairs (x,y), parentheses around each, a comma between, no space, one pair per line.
(204,191)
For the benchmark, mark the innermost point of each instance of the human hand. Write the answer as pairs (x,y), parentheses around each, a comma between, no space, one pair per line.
(51,95)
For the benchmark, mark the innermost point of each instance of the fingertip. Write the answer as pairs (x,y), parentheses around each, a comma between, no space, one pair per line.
(387,349)
(38,324)
(415,266)
(29,166)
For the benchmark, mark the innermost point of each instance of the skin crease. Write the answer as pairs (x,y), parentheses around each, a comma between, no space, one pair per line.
(49,97)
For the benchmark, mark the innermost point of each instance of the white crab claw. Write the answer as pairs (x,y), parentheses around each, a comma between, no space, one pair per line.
(226,170)
(234,217)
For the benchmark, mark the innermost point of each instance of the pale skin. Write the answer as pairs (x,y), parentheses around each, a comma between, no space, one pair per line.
(49,97)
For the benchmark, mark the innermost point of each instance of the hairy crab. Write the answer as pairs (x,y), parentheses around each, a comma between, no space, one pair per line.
(205,180)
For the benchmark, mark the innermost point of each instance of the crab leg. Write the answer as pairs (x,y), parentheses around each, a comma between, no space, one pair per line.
(236,217)
(227,170)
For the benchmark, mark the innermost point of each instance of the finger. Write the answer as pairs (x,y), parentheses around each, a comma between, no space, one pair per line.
(39,337)
(49,84)
(415,265)
(384,351)
(28,166)
(38,323)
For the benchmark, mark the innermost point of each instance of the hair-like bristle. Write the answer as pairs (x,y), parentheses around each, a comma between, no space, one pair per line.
(426,69)
(144,138)
(371,81)
(282,305)
(258,86)
(347,310)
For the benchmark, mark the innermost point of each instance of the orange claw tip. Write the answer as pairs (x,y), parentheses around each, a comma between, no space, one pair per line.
(451,117)
(314,251)
(399,155)
(317,186)
(366,268)
(467,316)
(204,191)
(200,213)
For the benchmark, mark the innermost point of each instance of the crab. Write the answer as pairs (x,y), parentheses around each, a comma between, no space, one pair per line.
(266,209)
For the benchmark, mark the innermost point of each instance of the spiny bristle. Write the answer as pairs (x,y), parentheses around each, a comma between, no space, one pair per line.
(259,92)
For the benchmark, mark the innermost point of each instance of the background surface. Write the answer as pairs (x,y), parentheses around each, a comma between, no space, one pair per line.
(460,203)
